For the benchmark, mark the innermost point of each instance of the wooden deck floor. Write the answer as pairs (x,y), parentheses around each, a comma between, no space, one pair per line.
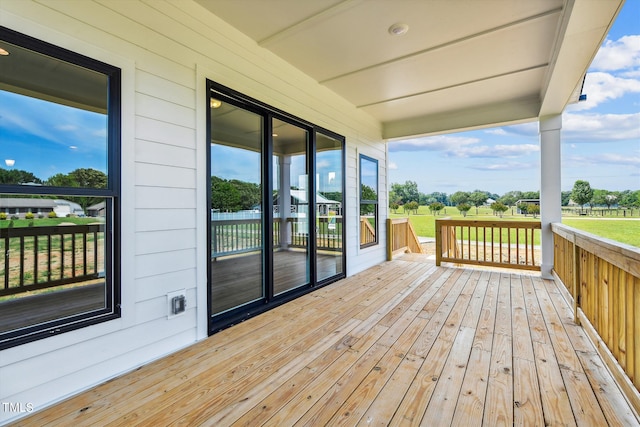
(403,343)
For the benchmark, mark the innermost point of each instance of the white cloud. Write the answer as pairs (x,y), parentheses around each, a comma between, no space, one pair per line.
(604,158)
(620,54)
(393,165)
(496,151)
(504,166)
(432,143)
(600,127)
(497,131)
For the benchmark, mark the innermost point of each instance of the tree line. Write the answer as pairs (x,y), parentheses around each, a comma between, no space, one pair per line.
(409,198)
(79,178)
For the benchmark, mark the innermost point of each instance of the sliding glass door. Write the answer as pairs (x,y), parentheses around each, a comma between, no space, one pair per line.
(290,206)
(235,157)
(275,207)
(329,205)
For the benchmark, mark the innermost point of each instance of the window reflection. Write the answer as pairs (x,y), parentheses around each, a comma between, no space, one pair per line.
(368,201)
(329,207)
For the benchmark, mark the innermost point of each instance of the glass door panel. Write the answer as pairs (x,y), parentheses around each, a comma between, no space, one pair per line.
(290,207)
(329,204)
(236,219)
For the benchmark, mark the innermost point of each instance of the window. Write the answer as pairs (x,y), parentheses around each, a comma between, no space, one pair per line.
(59,190)
(368,201)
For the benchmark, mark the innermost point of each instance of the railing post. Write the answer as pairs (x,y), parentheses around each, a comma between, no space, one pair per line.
(389,239)
(438,242)
(576,282)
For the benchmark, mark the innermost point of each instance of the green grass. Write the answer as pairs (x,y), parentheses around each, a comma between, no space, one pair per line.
(625,231)
(47,222)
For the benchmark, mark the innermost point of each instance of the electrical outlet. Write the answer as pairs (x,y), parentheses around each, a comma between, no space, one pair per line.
(176,303)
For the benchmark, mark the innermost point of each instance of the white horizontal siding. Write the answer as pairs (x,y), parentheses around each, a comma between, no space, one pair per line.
(176,218)
(167,49)
(165,241)
(165,262)
(164,154)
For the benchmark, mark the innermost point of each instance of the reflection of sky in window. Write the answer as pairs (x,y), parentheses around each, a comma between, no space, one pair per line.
(329,170)
(369,173)
(235,163)
(46,138)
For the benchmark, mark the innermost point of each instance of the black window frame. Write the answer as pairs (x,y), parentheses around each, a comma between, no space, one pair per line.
(111,195)
(364,201)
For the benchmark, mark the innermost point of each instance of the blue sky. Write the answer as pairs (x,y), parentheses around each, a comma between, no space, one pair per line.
(50,138)
(600,137)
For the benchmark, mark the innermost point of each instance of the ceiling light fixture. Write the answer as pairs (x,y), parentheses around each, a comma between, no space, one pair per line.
(398,29)
(215,103)
(4,52)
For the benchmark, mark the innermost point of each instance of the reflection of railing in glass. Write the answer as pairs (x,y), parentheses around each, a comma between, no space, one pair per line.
(235,236)
(367,232)
(44,257)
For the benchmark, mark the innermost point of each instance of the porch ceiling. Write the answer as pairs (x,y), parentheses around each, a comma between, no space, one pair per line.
(461,65)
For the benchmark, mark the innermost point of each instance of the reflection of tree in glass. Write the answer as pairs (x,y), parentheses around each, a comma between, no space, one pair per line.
(17,177)
(367,194)
(234,195)
(82,177)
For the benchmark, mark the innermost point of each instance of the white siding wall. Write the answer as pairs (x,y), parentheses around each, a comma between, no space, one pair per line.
(166,50)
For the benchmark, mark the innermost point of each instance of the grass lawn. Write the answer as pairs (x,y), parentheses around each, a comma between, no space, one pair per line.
(625,231)
(47,222)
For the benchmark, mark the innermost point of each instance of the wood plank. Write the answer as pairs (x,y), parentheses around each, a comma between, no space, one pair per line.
(470,406)
(417,397)
(527,404)
(555,400)
(442,405)
(583,401)
(498,409)
(613,405)
(383,408)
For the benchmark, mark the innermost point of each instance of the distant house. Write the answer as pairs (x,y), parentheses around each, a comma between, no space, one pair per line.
(527,202)
(299,198)
(97,210)
(20,206)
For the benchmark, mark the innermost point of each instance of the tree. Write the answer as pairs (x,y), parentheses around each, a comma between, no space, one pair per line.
(394,207)
(459,198)
(411,206)
(565,198)
(533,209)
(581,193)
(436,207)
(477,198)
(463,208)
(499,208)
(610,199)
(510,198)
(407,192)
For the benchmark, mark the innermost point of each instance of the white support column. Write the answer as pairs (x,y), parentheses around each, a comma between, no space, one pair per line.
(550,186)
(285,200)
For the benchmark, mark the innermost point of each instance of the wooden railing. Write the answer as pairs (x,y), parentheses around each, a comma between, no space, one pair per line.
(235,236)
(367,232)
(603,279)
(43,257)
(401,237)
(507,244)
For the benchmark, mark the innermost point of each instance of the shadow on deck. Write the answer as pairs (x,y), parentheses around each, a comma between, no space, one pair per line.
(404,342)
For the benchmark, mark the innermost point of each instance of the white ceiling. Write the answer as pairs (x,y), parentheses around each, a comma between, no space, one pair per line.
(462,64)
